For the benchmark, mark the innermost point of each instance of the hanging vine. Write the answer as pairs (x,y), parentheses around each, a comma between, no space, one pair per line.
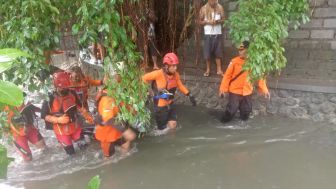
(104,22)
(266,31)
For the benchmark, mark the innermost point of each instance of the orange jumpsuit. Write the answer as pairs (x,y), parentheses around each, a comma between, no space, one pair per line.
(236,83)
(164,109)
(23,128)
(108,132)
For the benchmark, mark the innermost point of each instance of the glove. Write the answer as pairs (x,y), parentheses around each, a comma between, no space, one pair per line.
(192,100)
(87,116)
(89,119)
(141,134)
(64,119)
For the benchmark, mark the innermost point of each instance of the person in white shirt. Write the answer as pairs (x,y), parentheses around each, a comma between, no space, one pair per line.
(212,18)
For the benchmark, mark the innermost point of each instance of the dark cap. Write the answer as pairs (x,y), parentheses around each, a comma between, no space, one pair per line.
(244,45)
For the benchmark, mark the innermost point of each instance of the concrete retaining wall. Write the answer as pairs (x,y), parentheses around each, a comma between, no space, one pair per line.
(287,99)
(316,106)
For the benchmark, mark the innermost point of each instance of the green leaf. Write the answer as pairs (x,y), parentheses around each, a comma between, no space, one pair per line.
(4,162)
(7,56)
(5,66)
(75,29)
(94,183)
(10,94)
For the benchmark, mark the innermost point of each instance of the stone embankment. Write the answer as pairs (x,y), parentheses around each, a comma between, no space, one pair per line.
(290,98)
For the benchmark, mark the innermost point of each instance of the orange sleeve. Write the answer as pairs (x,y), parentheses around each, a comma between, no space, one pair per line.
(6,108)
(56,52)
(93,82)
(151,76)
(262,86)
(9,112)
(224,87)
(180,85)
(47,54)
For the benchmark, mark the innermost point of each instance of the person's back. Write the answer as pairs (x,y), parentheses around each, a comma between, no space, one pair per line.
(109,131)
(107,112)
(24,128)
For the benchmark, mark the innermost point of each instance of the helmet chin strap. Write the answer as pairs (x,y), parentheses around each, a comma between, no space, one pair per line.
(166,70)
(63,92)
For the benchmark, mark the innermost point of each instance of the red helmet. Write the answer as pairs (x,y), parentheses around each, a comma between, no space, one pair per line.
(61,80)
(170,59)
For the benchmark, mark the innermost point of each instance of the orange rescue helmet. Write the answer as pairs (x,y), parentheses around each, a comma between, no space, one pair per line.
(170,59)
(61,80)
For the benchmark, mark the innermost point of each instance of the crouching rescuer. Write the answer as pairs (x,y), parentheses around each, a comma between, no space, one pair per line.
(237,86)
(24,127)
(110,131)
(60,113)
(164,84)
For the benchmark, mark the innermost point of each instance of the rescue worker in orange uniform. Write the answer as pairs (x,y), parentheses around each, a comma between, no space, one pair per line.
(61,112)
(24,128)
(166,81)
(237,86)
(81,84)
(109,131)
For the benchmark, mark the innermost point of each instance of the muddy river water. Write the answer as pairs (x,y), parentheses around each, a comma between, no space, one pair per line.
(265,152)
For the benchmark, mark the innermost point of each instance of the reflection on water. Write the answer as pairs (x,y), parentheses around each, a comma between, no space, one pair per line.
(265,152)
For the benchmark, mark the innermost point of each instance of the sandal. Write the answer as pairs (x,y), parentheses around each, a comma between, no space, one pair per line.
(206,74)
(220,73)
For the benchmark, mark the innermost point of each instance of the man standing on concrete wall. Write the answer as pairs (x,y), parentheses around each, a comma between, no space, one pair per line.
(212,18)
(237,86)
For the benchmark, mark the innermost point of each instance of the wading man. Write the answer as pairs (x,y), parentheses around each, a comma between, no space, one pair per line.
(60,112)
(164,83)
(237,86)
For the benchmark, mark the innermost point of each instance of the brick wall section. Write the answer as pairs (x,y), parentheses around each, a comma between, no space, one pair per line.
(319,47)
(311,50)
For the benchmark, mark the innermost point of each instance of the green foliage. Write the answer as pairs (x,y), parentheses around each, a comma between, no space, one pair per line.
(100,21)
(10,95)
(4,161)
(34,26)
(94,183)
(265,24)
(7,56)
(29,25)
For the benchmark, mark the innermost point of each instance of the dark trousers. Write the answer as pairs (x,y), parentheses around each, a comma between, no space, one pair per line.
(164,114)
(212,46)
(243,103)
